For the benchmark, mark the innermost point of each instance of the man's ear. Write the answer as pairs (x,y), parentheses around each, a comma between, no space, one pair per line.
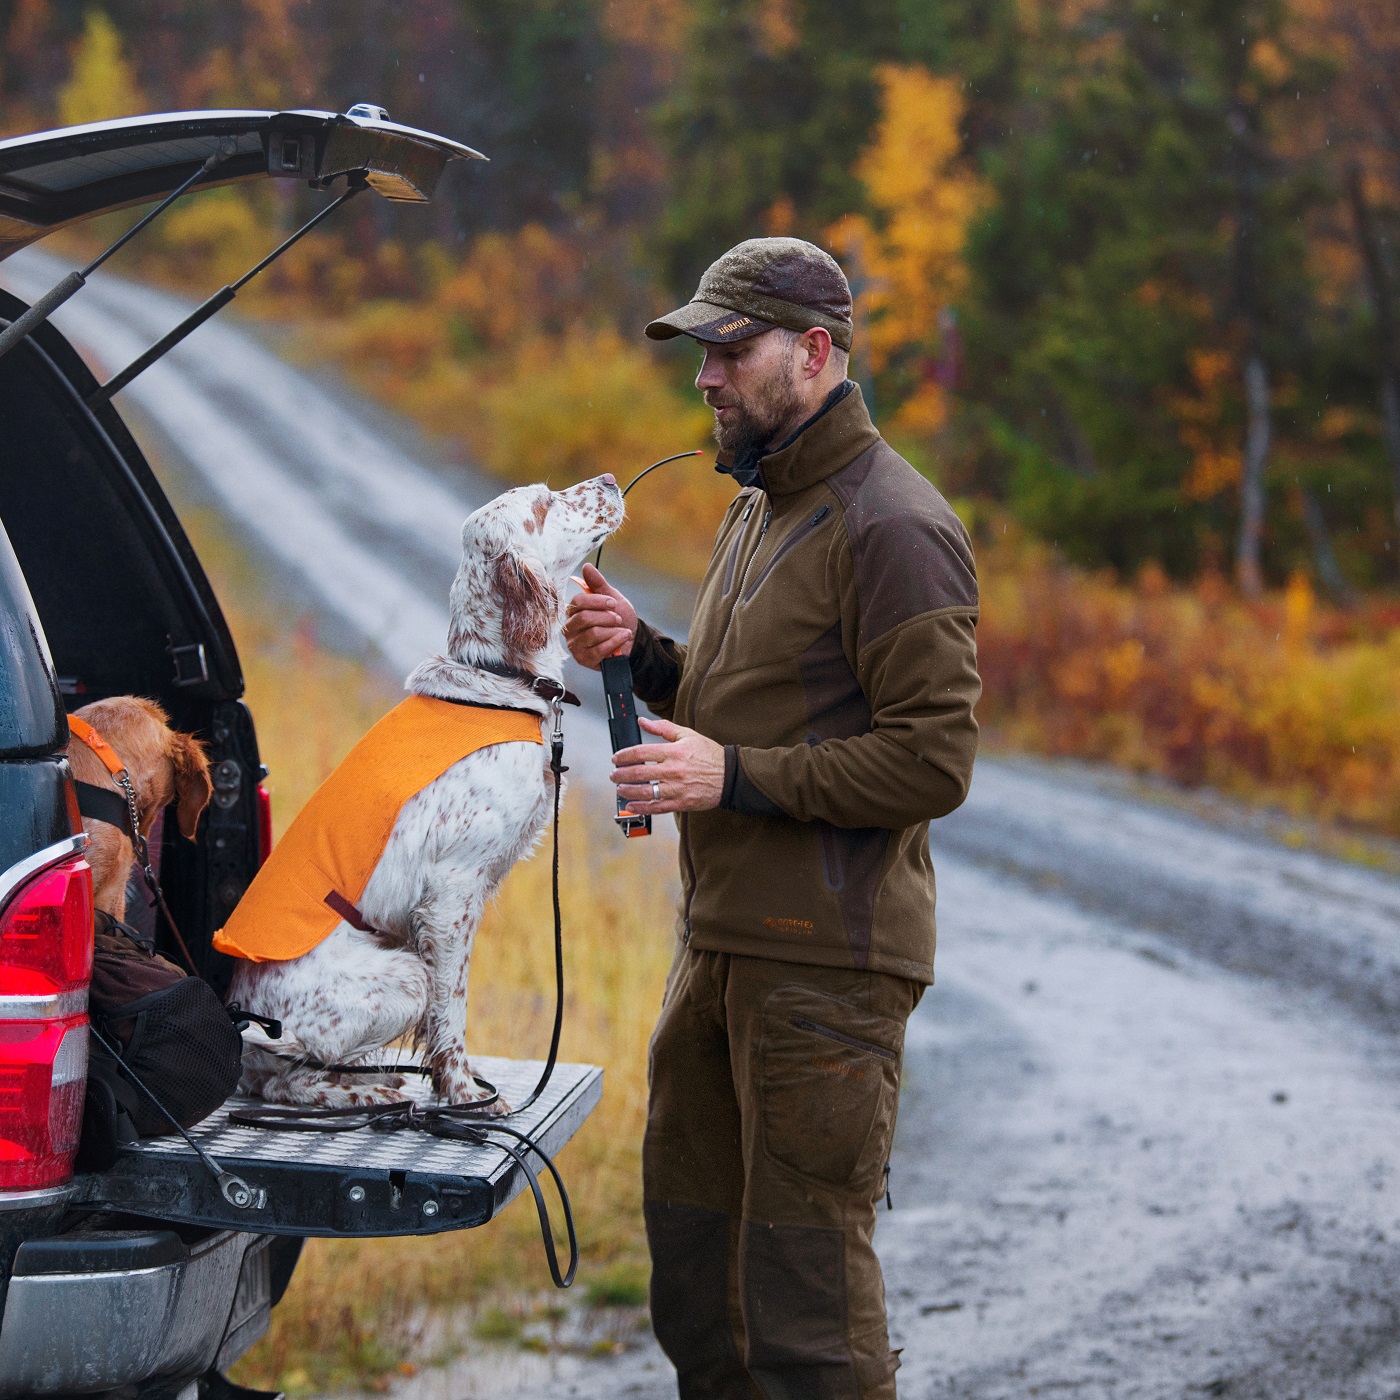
(193,788)
(529,605)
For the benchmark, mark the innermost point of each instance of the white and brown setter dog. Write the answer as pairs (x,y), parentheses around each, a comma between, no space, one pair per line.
(453,843)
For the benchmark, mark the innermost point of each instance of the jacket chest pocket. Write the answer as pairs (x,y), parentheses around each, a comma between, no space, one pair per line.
(830,1086)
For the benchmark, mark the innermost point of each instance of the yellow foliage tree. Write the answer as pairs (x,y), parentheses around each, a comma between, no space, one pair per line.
(907,261)
(103,84)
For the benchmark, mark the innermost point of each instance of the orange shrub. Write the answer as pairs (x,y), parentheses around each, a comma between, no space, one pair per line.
(1278,700)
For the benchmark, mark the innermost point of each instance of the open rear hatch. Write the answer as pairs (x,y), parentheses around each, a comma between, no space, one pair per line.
(122,597)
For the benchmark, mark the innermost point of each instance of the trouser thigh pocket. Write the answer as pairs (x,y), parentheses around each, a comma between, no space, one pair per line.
(829,1086)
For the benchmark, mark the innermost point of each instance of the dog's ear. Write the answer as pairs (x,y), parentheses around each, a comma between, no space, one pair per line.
(193,788)
(529,605)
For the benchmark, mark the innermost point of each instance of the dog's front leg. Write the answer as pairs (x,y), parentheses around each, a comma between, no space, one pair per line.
(446,926)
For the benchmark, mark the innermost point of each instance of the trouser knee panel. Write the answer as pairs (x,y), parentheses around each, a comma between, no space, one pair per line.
(690,1309)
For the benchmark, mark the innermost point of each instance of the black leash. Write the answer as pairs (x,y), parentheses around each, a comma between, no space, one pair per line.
(460,1122)
(556,766)
(456,1123)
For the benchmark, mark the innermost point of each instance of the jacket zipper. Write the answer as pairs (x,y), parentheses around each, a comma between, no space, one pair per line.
(789,544)
(803,1024)
(695,705)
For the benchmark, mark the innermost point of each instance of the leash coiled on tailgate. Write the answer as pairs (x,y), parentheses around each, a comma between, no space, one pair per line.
(457,1123)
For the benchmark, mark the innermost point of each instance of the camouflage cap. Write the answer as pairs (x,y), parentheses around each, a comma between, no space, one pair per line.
(760,284)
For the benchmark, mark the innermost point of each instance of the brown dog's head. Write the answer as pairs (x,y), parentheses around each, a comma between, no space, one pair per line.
(164,765)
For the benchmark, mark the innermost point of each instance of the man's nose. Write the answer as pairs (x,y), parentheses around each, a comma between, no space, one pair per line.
(711,376)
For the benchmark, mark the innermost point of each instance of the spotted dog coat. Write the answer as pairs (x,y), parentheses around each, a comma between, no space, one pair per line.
(453,842)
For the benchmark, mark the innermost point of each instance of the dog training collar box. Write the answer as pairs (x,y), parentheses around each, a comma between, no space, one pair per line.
(623,730)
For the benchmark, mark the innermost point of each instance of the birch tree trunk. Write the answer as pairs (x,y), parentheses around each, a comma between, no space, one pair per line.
(1329,569)
(1249,573)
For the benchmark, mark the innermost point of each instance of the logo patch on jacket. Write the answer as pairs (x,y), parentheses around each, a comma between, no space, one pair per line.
(778,925)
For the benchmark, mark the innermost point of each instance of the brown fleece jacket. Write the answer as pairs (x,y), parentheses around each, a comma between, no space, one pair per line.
(832,652)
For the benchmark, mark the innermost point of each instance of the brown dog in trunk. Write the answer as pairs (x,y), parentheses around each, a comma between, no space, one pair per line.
(164,766)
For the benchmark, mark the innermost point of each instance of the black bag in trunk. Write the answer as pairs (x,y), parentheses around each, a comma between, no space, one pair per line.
(173,1034)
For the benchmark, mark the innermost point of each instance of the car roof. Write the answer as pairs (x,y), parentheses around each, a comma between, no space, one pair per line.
(55,178)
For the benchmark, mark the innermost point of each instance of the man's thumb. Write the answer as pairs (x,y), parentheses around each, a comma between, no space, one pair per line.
(595,580)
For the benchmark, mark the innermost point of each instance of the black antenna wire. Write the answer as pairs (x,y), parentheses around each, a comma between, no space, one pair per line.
(694,452)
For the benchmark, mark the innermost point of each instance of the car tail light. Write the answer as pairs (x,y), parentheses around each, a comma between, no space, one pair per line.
(45,966)
(264,824)
(46,934)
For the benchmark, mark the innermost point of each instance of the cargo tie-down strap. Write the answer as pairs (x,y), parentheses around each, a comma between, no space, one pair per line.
(472,1123)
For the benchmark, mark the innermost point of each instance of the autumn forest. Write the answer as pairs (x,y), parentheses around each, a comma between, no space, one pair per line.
(1127,279)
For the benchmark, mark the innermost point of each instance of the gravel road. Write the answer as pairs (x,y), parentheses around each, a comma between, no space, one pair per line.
(1150,1138)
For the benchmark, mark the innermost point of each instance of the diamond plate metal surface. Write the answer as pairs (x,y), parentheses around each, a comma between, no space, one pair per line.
(366,1149)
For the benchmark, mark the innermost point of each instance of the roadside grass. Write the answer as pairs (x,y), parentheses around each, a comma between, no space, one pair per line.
(358,1312)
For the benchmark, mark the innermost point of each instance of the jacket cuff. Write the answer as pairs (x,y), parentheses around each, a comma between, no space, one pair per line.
(656,670)
(739,794)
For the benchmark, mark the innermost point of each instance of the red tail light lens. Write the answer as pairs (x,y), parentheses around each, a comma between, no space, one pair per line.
(46,933)
(43,1074)
(264,824)
(45,966)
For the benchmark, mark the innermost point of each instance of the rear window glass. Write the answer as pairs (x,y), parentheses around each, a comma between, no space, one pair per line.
(30,709)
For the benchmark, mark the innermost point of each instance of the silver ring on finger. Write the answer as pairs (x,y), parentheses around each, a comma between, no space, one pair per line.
(655,791)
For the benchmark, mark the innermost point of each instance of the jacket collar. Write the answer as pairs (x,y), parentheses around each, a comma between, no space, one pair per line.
(831,439)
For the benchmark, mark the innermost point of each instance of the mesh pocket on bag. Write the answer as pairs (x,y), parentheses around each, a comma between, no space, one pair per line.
(184,1049)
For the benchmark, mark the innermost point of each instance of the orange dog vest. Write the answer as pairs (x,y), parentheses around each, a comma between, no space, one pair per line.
(318,871)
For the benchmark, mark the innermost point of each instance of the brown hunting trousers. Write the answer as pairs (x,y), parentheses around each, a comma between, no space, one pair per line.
(774,1087)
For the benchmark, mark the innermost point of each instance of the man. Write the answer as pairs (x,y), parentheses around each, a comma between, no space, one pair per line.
(819,717)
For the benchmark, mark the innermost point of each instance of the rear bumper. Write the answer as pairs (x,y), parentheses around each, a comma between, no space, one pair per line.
(162,1308)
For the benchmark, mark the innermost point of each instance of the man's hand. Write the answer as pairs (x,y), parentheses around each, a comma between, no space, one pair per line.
(599,623)
(685,774)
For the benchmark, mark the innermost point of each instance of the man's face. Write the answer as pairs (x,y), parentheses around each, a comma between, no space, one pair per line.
(754,387)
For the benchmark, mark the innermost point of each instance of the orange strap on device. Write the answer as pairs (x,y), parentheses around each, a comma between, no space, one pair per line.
(81,729)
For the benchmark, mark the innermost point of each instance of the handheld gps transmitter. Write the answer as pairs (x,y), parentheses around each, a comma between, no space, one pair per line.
(623,730)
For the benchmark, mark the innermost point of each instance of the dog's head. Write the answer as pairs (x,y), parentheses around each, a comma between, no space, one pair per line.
(165,765)
(517,554)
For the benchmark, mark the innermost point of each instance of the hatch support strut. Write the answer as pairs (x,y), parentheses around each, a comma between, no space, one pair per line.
(215,303)
(47,304)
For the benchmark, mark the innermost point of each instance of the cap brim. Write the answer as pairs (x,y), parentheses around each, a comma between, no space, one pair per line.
(705,321)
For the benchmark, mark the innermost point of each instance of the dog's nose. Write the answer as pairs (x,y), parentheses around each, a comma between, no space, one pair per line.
(610,478)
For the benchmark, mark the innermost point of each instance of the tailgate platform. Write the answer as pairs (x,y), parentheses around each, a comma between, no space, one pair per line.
(356,1183)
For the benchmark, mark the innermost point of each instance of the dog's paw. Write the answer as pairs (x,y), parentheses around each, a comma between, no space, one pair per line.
(462,1091)
(491,1108)
(315,1089)
(387,1089)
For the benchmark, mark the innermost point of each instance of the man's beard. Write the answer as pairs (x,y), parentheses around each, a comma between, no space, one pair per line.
(753,423)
